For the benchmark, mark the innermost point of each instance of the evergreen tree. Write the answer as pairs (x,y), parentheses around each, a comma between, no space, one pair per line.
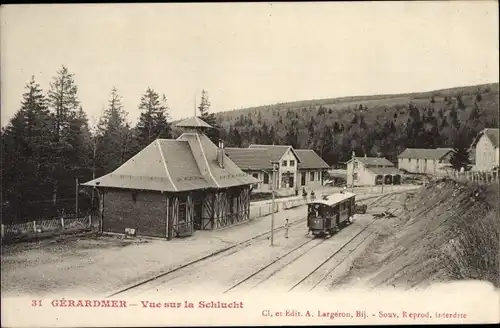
(204,109)
(26,153)
(63,100)
(153,121)
(113,133)
(460,158)
(70,130)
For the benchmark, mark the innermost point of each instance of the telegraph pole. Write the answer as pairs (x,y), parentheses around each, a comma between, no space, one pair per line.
(76,198)
(272,205)
(353,160)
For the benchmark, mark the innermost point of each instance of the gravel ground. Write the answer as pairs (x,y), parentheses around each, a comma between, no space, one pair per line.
(220,274)
(101,265)
(83,265)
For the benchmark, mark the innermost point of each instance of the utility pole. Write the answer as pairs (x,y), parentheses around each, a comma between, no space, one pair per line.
(76,198)
(353,162)
(273,204)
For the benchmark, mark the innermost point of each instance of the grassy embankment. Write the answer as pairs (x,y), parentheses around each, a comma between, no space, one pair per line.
(448,231)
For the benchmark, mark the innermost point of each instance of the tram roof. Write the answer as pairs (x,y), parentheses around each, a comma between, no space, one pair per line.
(334,199)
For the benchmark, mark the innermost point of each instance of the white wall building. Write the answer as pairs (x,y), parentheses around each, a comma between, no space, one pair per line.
(296,169)
(485,149)
(371,171)
(426,161)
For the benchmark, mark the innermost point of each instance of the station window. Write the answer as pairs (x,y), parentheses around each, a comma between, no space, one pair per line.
(266,178)
(292,163)
(355,164)
(284,163)
(355,176)
(312,176)
(255,175)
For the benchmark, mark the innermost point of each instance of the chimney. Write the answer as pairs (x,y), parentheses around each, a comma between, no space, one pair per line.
(220,154)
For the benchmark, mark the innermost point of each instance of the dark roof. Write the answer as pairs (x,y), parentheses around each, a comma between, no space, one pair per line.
(309,159)
(384,170)
(193,122)
(250,158)
(275,152)
(188,163)
(419,153)
(492,134)
(373,161)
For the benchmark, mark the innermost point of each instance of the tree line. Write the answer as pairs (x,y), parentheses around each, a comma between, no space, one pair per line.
(49,142)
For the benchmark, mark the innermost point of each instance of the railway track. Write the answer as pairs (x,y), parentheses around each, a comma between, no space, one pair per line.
(230,250)
(280,262)
(329,258)
(217,256)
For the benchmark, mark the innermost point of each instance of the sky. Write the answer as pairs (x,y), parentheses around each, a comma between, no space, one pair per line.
(246,54)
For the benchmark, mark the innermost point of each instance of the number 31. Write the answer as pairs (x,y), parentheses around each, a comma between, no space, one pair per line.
(36,303)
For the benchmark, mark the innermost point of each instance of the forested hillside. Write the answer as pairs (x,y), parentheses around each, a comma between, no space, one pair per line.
(375,125)
(48,143)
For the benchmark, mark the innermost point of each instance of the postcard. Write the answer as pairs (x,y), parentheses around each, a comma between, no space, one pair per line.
(195,164)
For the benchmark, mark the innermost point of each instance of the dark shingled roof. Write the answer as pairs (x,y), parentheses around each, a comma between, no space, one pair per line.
(492,134)
(373,161)
(419,153)
(188,163)
(250,158)
(275,152)
(309,159)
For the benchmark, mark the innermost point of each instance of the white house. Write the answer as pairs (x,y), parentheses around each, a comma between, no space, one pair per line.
(311,168)
(370,171)
(295,169)
(427,161)
(485,148)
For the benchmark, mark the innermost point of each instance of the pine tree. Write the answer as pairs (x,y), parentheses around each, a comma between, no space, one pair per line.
(209,118)
(26,152)
(460,158)
(70,128)
(153,123)
(112,135)
(63,100)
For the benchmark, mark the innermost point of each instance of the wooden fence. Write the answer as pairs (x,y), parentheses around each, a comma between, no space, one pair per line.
(477,177)
(51,227)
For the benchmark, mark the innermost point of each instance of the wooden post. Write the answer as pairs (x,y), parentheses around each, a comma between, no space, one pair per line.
(3,230)
(34,226)
(76,198)
(167,200)
(62,222)
(170,222)
(101,210)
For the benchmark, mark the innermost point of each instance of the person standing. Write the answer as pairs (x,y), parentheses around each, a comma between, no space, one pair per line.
(287,226)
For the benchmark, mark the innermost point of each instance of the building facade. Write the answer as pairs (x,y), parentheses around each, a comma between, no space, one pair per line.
(294,169)
(311,168)
(174,187)
(485,150)
(426,161)
(371,171)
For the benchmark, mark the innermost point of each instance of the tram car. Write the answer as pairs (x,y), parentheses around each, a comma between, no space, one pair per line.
(330,214)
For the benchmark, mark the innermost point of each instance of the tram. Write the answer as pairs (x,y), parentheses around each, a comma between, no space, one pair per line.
(330,214)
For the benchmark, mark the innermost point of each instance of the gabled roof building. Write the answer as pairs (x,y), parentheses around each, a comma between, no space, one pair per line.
(426,161)
(295,169)
(485,150)
(173,187)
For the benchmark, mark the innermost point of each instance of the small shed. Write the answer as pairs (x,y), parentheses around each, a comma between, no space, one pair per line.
(174,187)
